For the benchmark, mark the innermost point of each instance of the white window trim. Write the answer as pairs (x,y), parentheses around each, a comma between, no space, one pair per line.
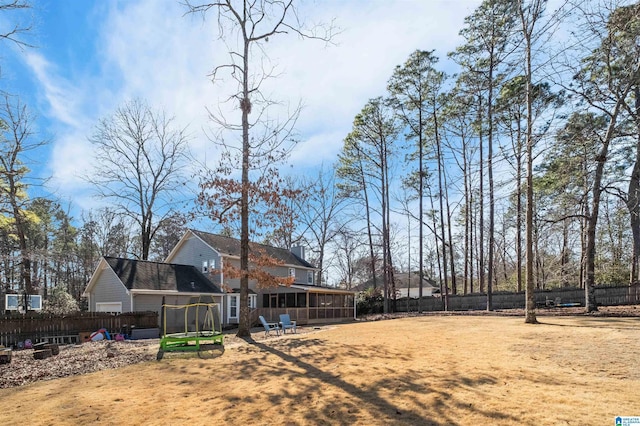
(19,301)
(310,277)
(12,306)
(117,305)
(235,297)
(292,272)
(205,267)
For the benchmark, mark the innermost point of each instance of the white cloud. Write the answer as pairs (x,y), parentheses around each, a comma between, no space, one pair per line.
(61,96)
(149,49)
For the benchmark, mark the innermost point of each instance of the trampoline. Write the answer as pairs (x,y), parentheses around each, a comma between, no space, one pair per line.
(200,320)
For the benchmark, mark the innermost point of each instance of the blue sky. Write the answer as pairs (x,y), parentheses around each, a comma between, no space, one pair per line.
(93,56)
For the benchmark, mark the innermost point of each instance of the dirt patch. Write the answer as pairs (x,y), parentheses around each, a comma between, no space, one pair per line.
(420,370)
(603,311)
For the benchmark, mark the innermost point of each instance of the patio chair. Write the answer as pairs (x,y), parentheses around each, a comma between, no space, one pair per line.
(286,323)
(269,326)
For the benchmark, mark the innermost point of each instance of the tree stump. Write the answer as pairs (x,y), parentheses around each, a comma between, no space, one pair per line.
(40,346)
(42,354)
(5,356)
(55,349)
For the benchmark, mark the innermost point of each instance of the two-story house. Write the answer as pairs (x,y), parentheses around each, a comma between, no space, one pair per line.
(207,254)
(304,300)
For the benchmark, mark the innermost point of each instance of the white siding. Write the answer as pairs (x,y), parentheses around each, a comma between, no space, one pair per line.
(109,288)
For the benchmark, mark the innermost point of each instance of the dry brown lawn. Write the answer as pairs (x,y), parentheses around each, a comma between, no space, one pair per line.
(459,370)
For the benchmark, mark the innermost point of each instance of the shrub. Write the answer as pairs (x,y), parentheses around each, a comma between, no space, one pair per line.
(370,301)
(60,302)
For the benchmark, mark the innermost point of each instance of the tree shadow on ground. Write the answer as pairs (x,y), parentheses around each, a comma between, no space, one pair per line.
(387,395)
(614,323)
(205,352)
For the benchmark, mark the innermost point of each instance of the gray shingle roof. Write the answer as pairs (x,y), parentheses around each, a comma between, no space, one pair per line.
(231,247)
(145,275)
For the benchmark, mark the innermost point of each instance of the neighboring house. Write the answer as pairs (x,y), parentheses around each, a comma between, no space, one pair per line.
(304,300)
(127,285)
(406,285)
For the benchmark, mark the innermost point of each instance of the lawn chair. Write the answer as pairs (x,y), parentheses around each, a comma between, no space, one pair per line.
(269,326)
(285,323)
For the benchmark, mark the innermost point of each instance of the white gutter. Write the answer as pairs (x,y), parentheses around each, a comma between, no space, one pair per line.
(221,271)
(355,316)
(172,292)
(313,289)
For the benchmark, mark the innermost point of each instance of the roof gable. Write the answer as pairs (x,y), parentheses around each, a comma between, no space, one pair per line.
(227,246)
(145,275)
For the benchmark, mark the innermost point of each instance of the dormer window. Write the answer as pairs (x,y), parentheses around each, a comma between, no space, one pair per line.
(292,272)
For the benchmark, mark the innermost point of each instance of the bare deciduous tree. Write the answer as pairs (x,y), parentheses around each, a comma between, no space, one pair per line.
(251,24)
(319,215)
(140,158)
(15,31)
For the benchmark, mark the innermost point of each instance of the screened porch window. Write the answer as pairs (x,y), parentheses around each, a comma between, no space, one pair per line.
(284,300)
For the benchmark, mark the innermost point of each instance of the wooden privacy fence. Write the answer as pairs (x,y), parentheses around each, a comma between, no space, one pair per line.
(605,296)
(17,328)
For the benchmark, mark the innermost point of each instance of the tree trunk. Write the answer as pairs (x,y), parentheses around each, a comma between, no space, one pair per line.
(633,200)
(480,224)
(420,216)
(244,326)
(590,276)
(530,303)
(519,208)
(441,200)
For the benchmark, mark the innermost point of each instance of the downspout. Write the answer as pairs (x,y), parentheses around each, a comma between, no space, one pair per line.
(223,299)
(221,270)
(355,314)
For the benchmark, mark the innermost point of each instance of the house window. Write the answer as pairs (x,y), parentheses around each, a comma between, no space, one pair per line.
(11,302)
(35,302)
(309,277)
(233,306)
(212,264)
(109,307)
(302,300)
(14,302)
(292,272)
(205,266)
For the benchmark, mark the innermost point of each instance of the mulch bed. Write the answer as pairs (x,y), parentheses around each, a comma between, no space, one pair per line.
(88,357)
(73,360)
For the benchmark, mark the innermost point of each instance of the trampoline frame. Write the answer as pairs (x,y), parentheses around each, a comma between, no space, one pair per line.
(191,340)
